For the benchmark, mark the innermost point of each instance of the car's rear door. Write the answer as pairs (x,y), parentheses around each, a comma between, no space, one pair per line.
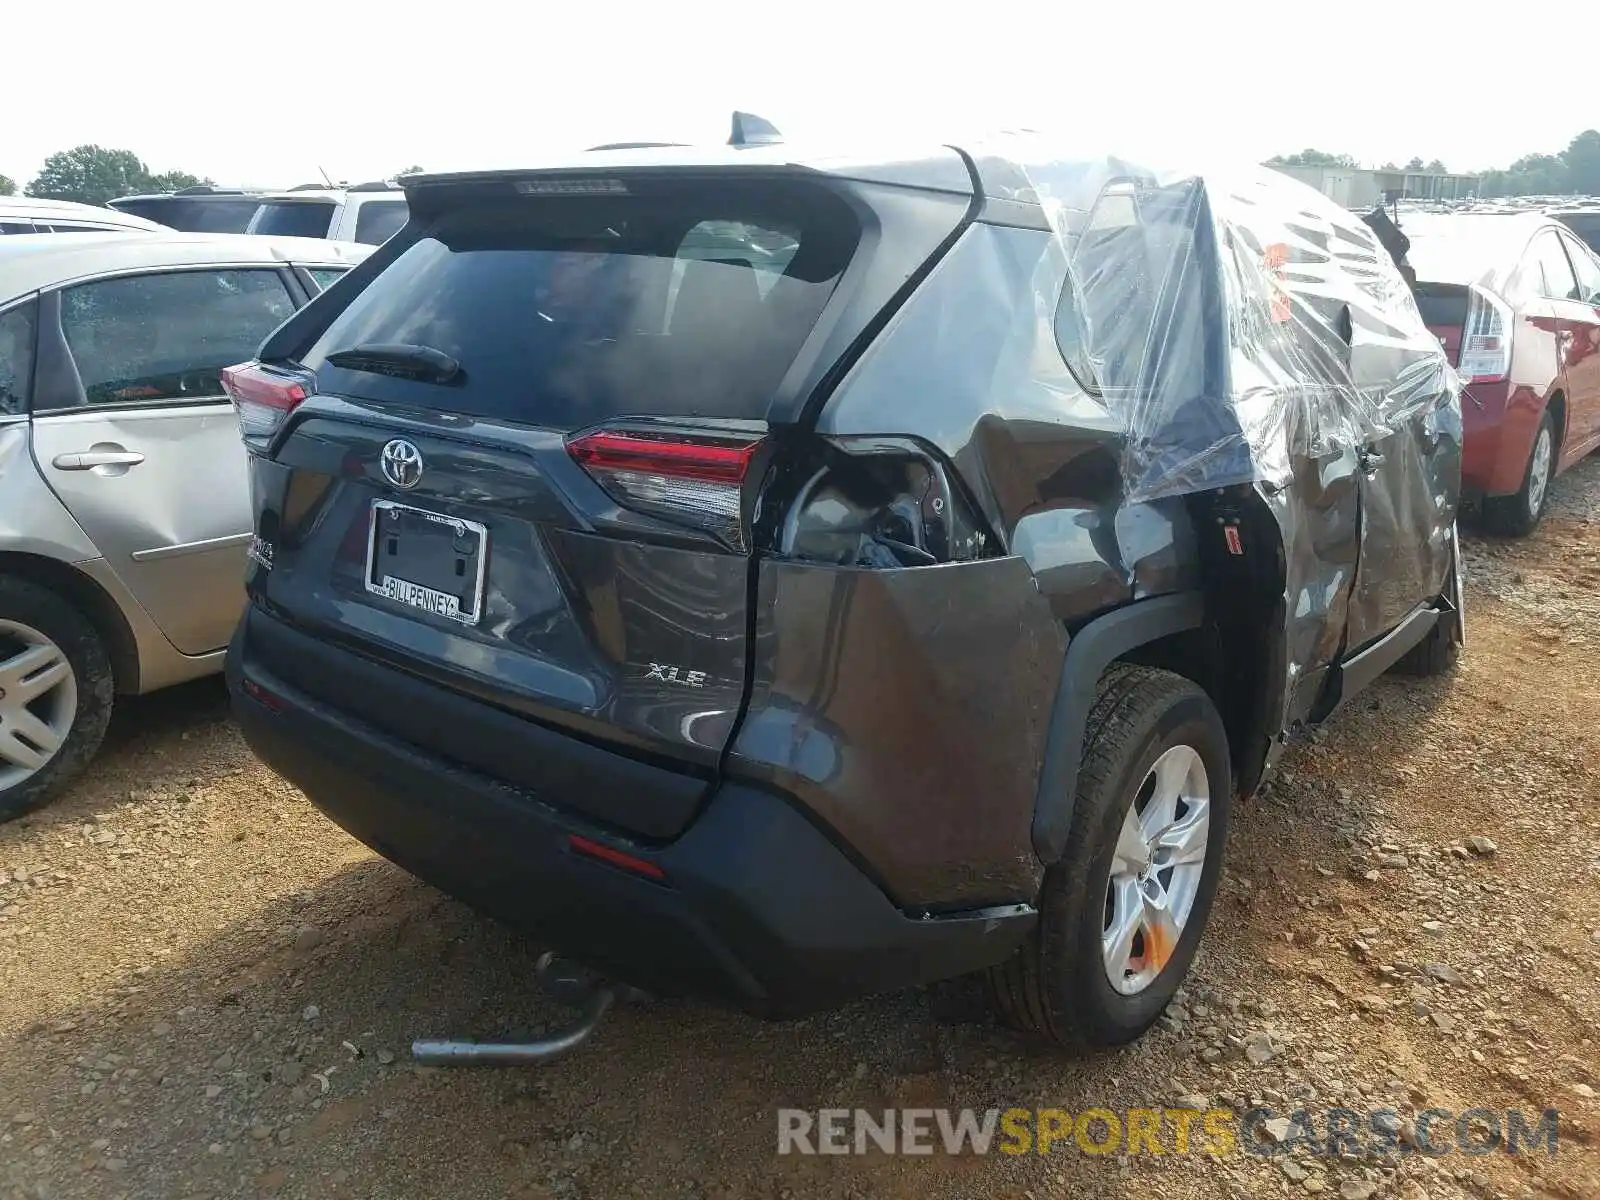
(134,434)
(1580,318)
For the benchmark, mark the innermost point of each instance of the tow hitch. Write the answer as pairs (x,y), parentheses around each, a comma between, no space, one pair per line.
(564,982)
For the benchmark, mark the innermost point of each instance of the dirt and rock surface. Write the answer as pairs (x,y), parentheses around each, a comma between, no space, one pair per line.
(206,990)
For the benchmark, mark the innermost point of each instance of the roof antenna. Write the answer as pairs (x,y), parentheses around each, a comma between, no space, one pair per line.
(325,178)
(751,130)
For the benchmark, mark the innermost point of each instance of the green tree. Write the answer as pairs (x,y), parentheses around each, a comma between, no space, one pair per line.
(1436,166)
(174,181)
(90,175)
(1415,164)
(1311,158)
(8,186)
(93,174)
(1530,175)
(407,171)
(1582,161)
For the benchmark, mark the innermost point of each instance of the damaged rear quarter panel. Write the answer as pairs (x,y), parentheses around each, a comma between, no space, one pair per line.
(907,711)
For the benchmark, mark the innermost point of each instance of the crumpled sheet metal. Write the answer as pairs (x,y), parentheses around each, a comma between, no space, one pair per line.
(1227,321)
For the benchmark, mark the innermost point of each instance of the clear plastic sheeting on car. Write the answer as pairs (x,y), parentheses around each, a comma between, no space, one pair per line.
(1229,323)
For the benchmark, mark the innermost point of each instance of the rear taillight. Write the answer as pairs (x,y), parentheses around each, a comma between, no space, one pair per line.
(689,480)
(1485,340)
(264,398)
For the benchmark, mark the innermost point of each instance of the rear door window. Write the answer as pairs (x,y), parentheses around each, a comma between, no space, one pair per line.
(295,218)
(1547,268)
(379,220)
(153,339)
(16,358)
(1586,226)
(680,298)
(1587,268)
(325,277)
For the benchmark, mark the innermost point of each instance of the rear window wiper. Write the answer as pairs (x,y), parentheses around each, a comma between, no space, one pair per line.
(399,359)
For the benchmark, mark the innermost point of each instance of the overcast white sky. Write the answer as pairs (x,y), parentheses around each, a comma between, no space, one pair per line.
(267,92)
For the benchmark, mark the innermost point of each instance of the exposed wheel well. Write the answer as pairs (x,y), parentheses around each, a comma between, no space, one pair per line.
(90,599)
(1201,655)
(1237,654)
(1557,409)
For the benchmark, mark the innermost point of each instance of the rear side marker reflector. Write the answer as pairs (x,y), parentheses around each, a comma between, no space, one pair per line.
(263,697)
(616,858)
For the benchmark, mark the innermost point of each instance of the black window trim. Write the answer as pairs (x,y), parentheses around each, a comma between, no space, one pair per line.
(52,354)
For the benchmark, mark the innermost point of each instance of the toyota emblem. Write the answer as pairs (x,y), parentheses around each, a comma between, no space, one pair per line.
(401,463)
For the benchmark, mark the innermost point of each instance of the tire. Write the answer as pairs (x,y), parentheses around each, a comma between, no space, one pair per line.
(1440,651)
(77,707)
(1058,986)
(1518,515)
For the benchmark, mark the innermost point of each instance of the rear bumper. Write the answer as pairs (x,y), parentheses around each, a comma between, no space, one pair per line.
(757,908)
(1497,422)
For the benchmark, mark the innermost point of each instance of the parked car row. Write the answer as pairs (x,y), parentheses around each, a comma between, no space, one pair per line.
(709,560)
(368,213)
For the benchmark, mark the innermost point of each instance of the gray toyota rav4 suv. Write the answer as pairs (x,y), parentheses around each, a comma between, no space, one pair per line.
(777,578)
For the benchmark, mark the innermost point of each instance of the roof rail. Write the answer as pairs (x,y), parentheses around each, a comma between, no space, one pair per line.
(751,130)
(311,187)
(211,189)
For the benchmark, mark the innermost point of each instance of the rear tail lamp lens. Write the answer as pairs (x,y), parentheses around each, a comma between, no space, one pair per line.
(263,397)
(1486,340)
(687,480)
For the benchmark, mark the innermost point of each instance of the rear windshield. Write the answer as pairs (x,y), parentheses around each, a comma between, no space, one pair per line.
(192,215)
(295,218)
(1443,305)
(379,220)
(685,299)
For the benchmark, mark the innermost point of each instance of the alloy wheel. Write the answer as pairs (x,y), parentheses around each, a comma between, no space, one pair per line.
(1539,470)
(1156,870)
(38,701)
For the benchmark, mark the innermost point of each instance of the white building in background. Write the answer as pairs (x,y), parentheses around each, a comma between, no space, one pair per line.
(1357,187)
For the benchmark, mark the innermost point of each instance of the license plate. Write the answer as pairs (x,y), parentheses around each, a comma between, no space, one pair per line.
(427,561)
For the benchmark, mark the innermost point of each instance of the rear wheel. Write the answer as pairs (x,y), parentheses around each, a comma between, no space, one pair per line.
(1121,914)
(56,693)
(1519,514)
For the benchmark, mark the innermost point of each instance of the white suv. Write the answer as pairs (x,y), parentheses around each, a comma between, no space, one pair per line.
(30,214)
(368,213)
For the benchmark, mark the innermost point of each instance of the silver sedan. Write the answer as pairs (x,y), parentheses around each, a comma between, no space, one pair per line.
(124,505)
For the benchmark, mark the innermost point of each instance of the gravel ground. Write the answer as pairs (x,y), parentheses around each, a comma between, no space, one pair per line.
(206,990)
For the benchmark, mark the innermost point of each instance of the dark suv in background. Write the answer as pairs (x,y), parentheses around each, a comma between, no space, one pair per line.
(775,578)
(199,209)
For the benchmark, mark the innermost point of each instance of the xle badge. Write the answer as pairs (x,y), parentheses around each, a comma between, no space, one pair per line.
(667,673)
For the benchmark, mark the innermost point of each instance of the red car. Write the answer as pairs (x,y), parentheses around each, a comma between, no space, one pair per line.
(1515,298)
